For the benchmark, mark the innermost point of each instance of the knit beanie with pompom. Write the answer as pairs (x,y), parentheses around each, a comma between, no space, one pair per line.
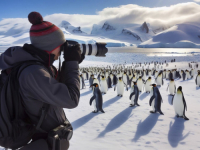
(44,35)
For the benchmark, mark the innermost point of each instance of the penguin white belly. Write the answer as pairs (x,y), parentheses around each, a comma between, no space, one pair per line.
(198,80)
(147,86)
(125,80)
(144,76)
(156,74)
(104,86)
(153,102)
(178,104)
(132,89)
(167,75)
(164,75)
(84,76)
(120,88)
(132,99)
(140,84)
(188,75)
(94,104)
(159,81)
(171,89)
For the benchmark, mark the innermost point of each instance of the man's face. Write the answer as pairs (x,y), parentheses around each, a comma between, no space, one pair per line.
(56,52)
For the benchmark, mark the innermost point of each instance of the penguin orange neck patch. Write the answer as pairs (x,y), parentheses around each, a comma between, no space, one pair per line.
(96,85)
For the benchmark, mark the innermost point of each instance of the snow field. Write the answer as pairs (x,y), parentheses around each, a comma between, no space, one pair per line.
(124,127)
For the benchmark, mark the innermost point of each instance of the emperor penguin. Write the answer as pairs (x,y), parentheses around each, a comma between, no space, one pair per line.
(120,87)
(164,74)
(172,87)
(192,72)
(184,75)
(179,103)
(188,76)
(147,85)
(109,82)
(159,79)
(140,83)
(97,96)
(158,100)
(197,80)
(82,82)
(170,75)
(134,96)
(104,85)
(91,79)
(125,79)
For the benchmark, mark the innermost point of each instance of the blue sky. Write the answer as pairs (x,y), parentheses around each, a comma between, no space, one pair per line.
(21,8)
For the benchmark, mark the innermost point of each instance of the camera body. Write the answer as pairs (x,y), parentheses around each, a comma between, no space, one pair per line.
(59,137)
(97,49)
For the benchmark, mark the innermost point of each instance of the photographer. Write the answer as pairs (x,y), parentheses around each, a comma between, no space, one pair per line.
(42,85)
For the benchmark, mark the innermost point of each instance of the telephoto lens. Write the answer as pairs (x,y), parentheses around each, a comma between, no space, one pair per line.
(97,49)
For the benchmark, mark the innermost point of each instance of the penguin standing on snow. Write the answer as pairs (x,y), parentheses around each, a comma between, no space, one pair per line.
(104,85)
(82,82)
(91,79)
(109,82)
(140,83)
(97,96)
(120,87)
(179,103)
(147,85)
(157,98)
(197,80)
(159,79)
(134,96)
(172,87)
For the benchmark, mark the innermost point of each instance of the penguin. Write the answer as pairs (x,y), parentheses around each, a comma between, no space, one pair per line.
(120,87)
(82,82)
(179,103)
(172,87)
(192,72)
(157,98)
(97,96)
(153,101)
(114,80)
(91,79)
(109,82)
(187,74)
(159,79)
(140,83)
(125,79)
(170,75)
(147,85)
(104,85)
(197,80)
(183,75)
(134,96)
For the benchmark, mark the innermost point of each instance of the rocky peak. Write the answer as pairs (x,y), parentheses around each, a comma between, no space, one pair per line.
(127,32)
(145,27)
(107,27)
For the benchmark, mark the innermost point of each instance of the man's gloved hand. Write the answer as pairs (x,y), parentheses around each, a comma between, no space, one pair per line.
(72,53)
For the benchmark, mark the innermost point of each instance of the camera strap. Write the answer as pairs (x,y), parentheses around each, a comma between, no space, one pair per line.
(44,111)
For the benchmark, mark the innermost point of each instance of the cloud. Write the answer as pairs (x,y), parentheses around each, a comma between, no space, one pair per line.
(125,14)
(198,1)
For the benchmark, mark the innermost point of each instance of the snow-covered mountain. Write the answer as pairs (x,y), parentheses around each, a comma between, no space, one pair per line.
(184,35)
(71,29)
(138,35)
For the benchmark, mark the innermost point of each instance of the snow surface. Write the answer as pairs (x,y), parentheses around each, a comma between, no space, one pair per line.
(124,127)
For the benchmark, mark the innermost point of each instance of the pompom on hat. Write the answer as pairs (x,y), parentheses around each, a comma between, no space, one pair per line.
(44,35)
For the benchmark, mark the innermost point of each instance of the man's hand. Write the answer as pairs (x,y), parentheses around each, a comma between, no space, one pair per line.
(72,53)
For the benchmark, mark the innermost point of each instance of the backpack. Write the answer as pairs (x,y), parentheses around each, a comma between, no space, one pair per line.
(16,130)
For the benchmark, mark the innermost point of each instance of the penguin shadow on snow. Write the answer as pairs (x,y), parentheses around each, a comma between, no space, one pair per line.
(143,96)
(170,99)
(83,120)
(117,121)
(175,135)
(197,87)
(111,101)
(86,93)
(145,126)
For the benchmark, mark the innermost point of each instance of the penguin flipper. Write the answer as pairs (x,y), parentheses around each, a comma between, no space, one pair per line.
(174,88)
(151,99)
(133,93)
(92,98)
(184,102)
(172,100)
(196,80)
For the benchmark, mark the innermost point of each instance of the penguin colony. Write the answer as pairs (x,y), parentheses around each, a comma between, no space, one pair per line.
(122,77)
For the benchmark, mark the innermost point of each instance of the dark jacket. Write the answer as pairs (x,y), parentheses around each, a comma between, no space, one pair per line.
(38,86)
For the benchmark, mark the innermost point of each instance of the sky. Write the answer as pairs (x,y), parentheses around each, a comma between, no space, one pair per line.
(21,8)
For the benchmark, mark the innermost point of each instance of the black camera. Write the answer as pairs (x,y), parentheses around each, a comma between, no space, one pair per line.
(98,49)
(59,137)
